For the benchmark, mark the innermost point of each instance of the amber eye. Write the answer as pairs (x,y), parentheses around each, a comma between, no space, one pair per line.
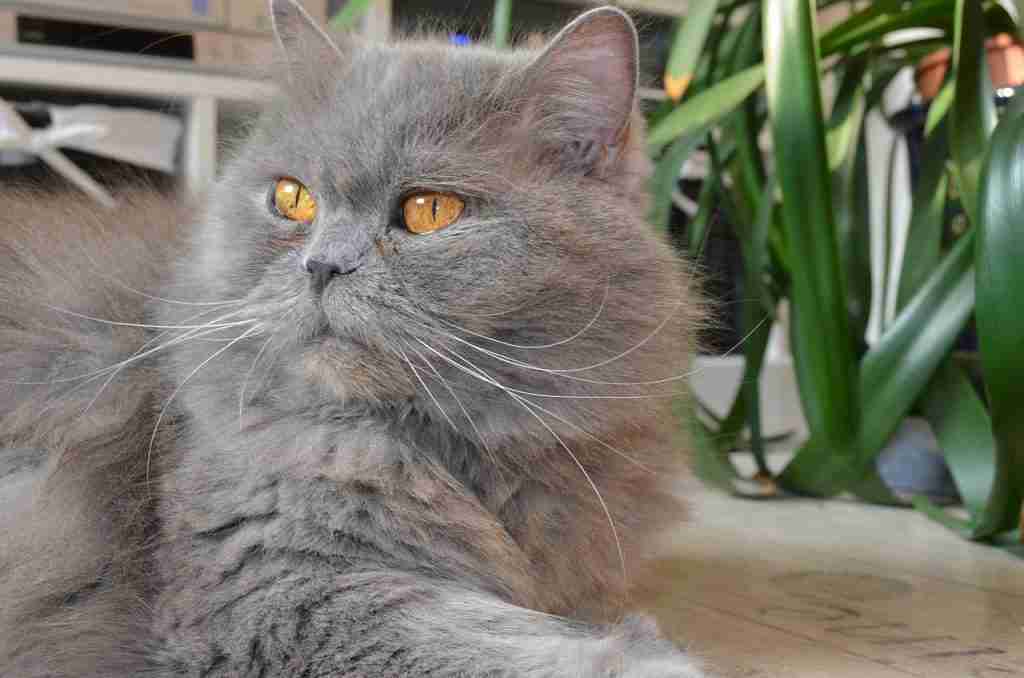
(429,212)
(292,200)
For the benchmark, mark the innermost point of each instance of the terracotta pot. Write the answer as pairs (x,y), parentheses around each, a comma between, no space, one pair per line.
(1005,66)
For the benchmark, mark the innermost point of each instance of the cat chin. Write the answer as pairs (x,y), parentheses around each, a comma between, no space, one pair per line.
(347,369)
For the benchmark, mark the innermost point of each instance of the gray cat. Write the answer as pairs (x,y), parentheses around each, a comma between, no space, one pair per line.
(397,405)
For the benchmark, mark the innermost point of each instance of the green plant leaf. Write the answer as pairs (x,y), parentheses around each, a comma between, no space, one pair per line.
(747,172)
(894,373)
(501,23)
(348,15)
(998,20)
(721,39)
(897,368)
(855,245)
(882,18)
(939,106)
(1011,542)
(847,113)
(963,429)
(924,234)
(823,352)
(756,319)
(658,113)
(851,201)
(753,225)
(731,428)
(973,114)
(909,52)
(718,99)
(709,463)
(700,226)
(999,256)
(706,107)
(706,411)
(941,516)
(666,177)
(691,33)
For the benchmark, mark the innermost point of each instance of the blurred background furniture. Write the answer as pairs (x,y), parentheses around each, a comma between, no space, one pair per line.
(190,57)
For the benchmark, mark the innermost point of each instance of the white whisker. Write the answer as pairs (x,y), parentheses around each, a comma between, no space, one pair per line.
(163,410)
(584,396)
(477,372)
(590,481)
(213,323)
(53,402)
(562,373)
(427,389)
(113,375)
(653,382)
(245,382)
(621,355)
(255,362)
(86,382)
(465,412)
(590,435)
(525,405)
(166,300)
(181,338)
(581,332)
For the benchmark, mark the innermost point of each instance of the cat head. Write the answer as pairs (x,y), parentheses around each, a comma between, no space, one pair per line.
(449,230)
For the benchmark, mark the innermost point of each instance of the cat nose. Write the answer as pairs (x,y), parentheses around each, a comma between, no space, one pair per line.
(321,271)
(335,252)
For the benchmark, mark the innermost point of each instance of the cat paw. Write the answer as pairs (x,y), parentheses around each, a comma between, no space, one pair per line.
(638,650)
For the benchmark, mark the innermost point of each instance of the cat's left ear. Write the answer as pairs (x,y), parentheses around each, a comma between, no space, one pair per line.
(298,35)
(583,86)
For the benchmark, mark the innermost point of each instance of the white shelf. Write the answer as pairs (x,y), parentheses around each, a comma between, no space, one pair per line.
(131,13)
(140,76)
(94,71)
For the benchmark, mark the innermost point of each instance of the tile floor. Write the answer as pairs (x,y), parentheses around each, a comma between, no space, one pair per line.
(802,589)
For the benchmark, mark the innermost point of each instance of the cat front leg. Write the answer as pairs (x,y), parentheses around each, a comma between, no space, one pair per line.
(397,624)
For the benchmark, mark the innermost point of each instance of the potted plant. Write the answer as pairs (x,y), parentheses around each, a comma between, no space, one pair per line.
(743,70)
(1003,52)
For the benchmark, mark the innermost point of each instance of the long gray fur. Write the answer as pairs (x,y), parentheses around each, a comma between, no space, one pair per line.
(452,461)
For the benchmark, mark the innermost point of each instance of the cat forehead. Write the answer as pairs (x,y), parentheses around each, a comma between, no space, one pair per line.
(390,110)
(413,81)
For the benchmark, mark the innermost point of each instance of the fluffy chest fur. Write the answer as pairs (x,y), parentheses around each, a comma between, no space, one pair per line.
(291,510)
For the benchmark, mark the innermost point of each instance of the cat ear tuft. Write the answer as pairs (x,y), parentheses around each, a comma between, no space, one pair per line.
(583,85)
(297,34)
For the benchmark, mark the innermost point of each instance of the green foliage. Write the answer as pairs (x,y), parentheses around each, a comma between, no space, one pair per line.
(706,107)
(972,114)
(822,349)
(998,259)
(686,48)
(348,15)
(501,22)
(799,210)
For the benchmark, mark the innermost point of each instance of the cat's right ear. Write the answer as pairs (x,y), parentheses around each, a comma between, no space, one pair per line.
(301,40)
(581,90)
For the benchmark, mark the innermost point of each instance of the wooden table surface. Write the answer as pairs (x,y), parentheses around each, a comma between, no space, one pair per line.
(802,588)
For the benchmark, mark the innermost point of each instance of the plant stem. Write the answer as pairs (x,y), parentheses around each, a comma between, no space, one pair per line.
(500,23)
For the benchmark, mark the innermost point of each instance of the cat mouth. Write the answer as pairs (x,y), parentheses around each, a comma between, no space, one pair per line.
(328,341)
(332,343)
